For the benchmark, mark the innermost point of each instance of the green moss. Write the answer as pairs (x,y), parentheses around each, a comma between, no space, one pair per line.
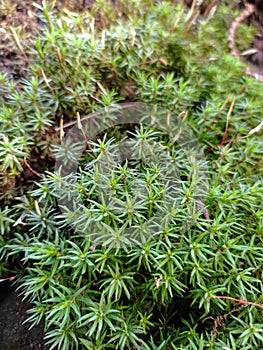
(91,271)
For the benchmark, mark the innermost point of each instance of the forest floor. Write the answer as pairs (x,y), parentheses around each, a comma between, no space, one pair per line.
(18,20)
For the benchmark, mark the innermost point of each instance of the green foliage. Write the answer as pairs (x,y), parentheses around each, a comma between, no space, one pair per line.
(95,273)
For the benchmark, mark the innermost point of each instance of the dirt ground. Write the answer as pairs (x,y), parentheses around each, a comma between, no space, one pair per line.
(17,19)
(14,334)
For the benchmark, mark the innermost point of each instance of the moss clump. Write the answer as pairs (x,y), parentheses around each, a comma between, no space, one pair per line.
(90,268)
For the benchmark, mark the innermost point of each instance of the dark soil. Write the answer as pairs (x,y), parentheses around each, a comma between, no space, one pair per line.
(14,334)
(19,15)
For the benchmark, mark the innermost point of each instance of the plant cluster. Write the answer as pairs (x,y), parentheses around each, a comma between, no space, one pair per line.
(96,272)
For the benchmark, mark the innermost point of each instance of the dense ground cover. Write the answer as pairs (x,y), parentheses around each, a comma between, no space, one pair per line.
(160,248)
